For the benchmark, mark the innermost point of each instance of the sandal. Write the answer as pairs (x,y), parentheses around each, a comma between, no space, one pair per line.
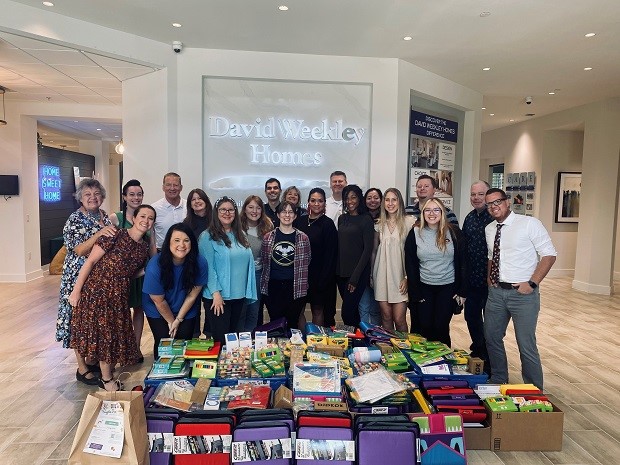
(103,382)
(94,368)
(82,378)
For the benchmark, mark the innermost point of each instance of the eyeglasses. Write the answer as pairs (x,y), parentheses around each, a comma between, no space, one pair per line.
(496,203)
(432,210)
(287,213)
(226,211)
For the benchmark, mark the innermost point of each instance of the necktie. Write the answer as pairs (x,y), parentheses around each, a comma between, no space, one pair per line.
(494,275)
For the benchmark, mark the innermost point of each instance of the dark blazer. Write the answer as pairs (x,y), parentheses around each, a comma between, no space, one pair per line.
(412,264)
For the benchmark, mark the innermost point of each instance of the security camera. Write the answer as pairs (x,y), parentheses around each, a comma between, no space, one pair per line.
(528,100)
(177,46)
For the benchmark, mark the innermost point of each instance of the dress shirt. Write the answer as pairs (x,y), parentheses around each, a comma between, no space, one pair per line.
(473,229)
(523,240)
(167,215)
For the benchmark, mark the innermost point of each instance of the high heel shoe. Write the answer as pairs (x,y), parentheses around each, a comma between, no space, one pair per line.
(103,382)
(94,381)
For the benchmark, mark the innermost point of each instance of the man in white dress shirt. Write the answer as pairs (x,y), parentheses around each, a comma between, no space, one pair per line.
(333,204)
(520,255)
(171,209)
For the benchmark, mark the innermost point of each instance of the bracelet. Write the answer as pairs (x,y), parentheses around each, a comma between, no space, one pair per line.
(180,319)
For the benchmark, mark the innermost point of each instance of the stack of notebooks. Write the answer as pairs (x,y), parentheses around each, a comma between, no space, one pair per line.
(169,367)
(205,349)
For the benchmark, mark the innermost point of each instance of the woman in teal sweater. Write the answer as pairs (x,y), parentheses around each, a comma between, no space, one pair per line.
(232,279)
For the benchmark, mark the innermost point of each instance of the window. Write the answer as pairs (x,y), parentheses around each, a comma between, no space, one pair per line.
(496,175)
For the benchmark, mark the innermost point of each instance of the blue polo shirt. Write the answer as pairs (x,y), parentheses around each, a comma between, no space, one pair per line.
(174,296)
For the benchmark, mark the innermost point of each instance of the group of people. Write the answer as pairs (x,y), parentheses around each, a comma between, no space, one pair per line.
(382,257)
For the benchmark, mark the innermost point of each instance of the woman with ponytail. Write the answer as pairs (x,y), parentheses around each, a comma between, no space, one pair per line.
(133,194)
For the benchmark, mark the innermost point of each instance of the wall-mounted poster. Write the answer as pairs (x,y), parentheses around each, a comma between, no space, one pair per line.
(522,181)
(531,180)
(568,196)
(518,202)
(432,151)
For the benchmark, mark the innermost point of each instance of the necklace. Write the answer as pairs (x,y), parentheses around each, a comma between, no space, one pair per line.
(311,222)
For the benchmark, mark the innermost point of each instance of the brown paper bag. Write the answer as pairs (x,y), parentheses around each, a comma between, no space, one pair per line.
(135,445)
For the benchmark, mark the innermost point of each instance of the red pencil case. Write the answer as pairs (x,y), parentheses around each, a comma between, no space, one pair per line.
(470,413)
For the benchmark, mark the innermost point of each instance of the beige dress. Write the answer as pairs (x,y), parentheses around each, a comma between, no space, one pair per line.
(389,267)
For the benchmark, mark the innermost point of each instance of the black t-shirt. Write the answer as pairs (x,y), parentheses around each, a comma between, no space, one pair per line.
(283,256)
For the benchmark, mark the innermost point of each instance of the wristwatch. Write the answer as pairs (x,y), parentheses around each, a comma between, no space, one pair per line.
(532,284)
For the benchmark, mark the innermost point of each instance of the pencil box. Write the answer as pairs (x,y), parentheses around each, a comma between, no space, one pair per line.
(328,445)
(326,419)
(262,441)
(379,443)
(203,441)
(160,436)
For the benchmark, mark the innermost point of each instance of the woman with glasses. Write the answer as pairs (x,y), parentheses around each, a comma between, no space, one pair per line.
(388,278)
(355,242)
(231,278)
(436,270)
(285,255)
(255,223)
(80,233)
(133,195)
(323,237)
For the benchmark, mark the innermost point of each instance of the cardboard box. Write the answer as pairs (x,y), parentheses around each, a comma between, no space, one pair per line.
(526,431)
(478,438)
(283,398)
(475,366)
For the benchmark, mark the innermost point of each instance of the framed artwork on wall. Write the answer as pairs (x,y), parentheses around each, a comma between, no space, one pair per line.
(568,197)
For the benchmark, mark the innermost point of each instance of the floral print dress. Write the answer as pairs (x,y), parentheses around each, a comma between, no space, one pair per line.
(79,228)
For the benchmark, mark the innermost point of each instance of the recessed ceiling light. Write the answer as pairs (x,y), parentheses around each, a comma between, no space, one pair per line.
(587,69)
(176,24)
(51,141)
(484,108)
(407,38)
(491,114)
(75,121)
(590,34)
(512,121)
(98,129)
(486,69)
(283,8)
(116,137)
(45,133)
(551,93)
(484,14)
(48,4)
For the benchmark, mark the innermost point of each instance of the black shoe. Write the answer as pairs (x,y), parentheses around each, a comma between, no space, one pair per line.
(94,381)
(141,359)
(102,382)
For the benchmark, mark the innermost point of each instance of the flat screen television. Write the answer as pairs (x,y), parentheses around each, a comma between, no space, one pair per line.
(9,184)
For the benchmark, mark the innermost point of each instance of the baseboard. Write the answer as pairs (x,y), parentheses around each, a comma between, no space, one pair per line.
(21,278)
(591,288)
(616,275)
(561,273)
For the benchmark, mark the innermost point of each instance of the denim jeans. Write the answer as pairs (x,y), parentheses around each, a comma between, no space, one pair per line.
(369,308)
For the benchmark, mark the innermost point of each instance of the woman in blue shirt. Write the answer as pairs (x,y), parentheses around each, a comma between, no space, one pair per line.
(172,283)
(232,279)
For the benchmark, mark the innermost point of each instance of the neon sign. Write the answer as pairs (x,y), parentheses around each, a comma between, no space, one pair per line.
(49,183)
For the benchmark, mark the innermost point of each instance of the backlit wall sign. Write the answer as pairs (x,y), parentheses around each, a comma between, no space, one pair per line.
(296,131)
(49,183)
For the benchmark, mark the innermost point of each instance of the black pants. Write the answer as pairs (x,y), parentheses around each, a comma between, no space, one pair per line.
(227,321)
(159,328)
(351,300)
(474,307)
(435,313)
(280,302)
(329,310)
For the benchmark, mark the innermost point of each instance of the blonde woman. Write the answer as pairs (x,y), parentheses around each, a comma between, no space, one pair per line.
(293,195)
(435,263)
(388,275)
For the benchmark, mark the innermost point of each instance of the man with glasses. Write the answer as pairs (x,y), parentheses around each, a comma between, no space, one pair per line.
(171,209)
(477,264)
(520,254)
(273,189)
(425,189)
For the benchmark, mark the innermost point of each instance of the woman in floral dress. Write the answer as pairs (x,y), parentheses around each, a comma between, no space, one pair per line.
(101,326)
(87,224)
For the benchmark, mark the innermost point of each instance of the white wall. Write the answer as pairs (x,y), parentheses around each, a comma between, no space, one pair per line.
(540,145)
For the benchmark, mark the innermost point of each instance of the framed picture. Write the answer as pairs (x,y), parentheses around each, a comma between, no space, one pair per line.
(568,197)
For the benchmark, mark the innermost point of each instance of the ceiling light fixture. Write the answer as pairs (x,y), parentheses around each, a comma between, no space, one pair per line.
(407,38)
(484,108)
(176,25)
(120,148)
(486,69)
(283,8)
(3,120)
(512,121)
(590,34)
(484,14)
(551,93)
(98,129)
(491,114)
(48,4)
(587,69)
